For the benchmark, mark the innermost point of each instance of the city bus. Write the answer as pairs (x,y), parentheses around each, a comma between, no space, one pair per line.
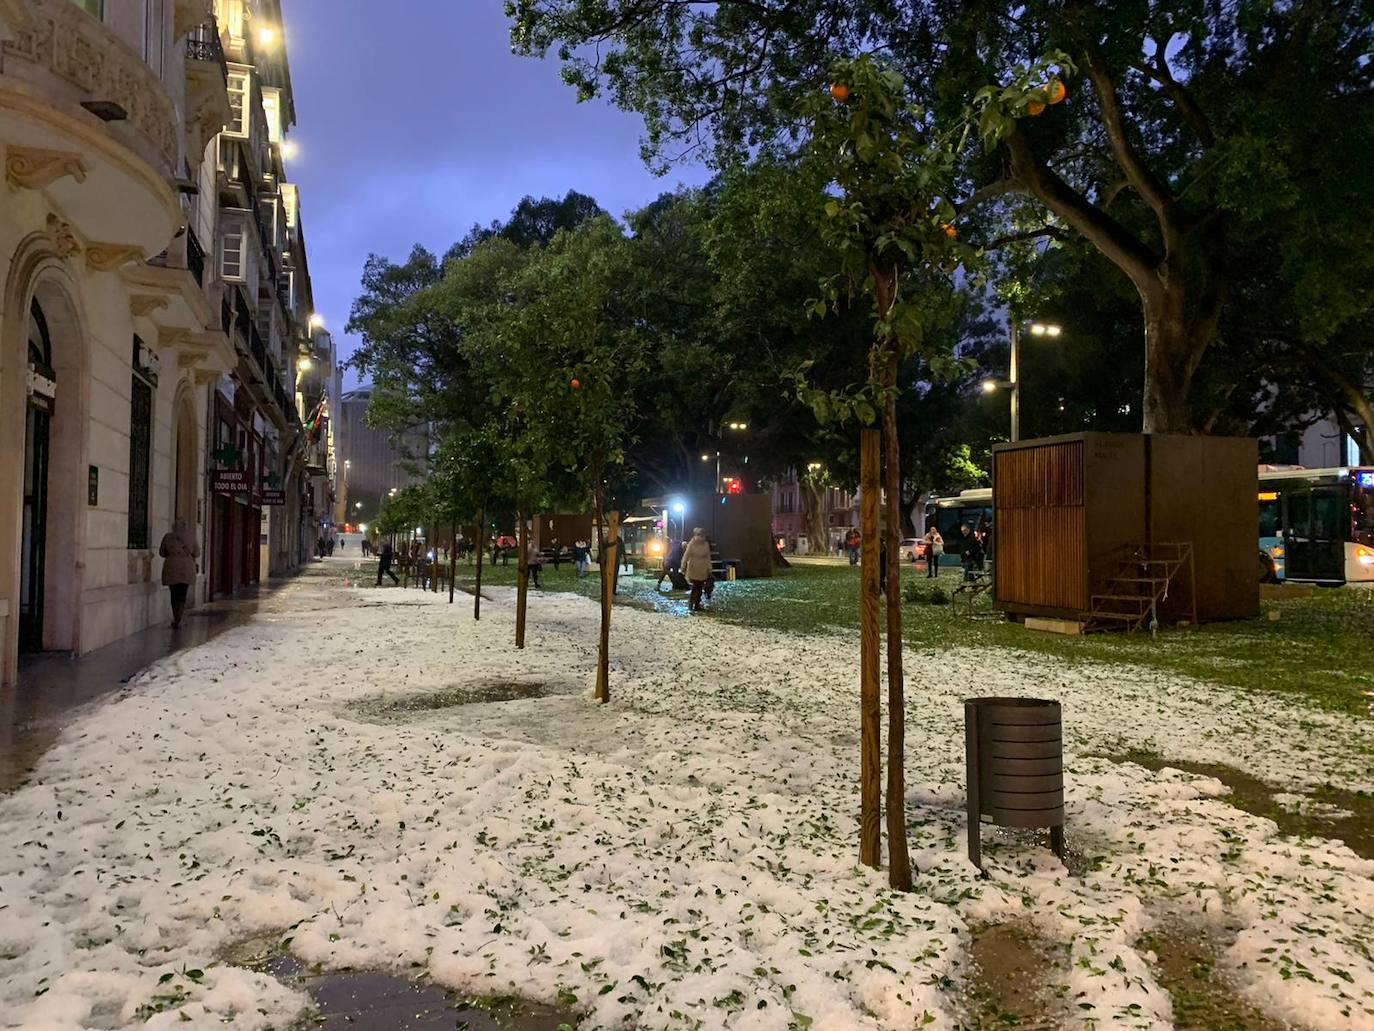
(972,508)
(1316,525)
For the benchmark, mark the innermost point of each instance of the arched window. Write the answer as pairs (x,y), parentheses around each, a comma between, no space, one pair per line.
(40,343)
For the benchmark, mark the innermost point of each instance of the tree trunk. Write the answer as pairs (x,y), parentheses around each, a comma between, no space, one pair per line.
(607,552)
(813,510)
(1169,366)
(870,746)
(452,561)
(898,861)
(477,590)
(522,575)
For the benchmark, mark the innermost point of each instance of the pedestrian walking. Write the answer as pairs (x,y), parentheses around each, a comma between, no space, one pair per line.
(935,547)
(696,567)
(384,564)
(852,541)
(581,555)
(971,555)
(672,567)
(179,552)
(557,554)
(534,561)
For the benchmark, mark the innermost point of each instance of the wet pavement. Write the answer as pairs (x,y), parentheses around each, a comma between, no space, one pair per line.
(53,687)
(384,1002)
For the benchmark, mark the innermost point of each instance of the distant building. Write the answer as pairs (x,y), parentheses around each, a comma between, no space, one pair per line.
(840,509)
(375,463)
(1320,446)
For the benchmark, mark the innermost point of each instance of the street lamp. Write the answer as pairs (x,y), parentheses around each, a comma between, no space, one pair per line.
(1037,329)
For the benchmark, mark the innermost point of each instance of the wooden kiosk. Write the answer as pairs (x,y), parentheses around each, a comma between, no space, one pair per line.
(1123,530)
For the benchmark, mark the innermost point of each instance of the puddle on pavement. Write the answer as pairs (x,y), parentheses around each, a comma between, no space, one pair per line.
(1013,980)
(1186,966)
(1326,813)
(403,706)
(384,1002)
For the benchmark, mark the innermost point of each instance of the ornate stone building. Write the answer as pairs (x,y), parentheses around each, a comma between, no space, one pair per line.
(155,304)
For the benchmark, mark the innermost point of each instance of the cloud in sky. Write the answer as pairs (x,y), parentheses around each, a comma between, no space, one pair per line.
(414,121)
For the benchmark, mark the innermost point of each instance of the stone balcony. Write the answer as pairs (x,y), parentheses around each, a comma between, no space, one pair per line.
(85,120)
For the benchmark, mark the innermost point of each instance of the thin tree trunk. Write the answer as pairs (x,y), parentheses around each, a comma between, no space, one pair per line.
(870,746)
(898,861)
(605,550)
(410,551)
(522,576)
(477,591)
(452,561)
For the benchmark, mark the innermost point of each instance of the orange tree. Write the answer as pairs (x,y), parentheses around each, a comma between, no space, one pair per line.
(887,217)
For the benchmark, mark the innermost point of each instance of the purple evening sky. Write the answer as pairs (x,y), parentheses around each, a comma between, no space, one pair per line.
(415,124)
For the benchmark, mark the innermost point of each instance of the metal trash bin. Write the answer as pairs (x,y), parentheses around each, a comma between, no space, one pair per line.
(1015,766)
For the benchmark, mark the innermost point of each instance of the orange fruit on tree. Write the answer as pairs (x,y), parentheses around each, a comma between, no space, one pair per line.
(840,92)
(1057,91)
(949,230)
(576,384)
(1035,108)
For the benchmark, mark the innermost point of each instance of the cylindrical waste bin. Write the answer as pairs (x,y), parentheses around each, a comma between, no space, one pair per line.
(1015,764)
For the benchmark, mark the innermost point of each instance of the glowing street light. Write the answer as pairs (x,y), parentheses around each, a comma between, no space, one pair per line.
(317,321)
(267,36)
(989,385)
(303,363)
(1037,329)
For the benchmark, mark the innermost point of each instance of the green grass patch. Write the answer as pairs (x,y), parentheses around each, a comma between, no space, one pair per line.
(1319,648)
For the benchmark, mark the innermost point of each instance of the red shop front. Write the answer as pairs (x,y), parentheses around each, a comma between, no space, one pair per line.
(236,487)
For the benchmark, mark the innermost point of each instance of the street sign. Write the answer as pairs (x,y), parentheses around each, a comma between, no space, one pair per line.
(231,481)
(274,497)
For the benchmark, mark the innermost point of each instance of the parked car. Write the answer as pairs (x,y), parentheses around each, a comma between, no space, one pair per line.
(912,548)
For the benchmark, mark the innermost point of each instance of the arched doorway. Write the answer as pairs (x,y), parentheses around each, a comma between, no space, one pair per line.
(37,449)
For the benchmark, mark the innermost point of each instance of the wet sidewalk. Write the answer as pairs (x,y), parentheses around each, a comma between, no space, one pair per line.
(53,687)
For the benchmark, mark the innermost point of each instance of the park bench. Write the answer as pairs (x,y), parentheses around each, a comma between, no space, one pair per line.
(970,591)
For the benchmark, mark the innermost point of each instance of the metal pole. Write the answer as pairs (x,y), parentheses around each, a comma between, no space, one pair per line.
(1015,381)
(716,488)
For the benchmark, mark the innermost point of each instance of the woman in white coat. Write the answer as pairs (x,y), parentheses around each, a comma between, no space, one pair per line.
(696,566)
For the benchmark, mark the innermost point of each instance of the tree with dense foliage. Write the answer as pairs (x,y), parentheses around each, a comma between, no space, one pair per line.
(1183,127)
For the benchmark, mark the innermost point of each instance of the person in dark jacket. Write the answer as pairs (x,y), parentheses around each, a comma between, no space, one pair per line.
(384,557)
(581,555)
(971,557)
(672,566)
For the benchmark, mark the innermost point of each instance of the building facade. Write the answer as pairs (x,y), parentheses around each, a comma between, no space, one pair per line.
(156,302)
(1321,445)
(376,462)
(837,510)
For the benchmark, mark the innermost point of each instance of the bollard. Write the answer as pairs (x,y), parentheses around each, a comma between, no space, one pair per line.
(1014,754)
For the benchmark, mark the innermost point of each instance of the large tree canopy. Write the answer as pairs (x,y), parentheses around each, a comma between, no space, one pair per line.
(1190,129)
